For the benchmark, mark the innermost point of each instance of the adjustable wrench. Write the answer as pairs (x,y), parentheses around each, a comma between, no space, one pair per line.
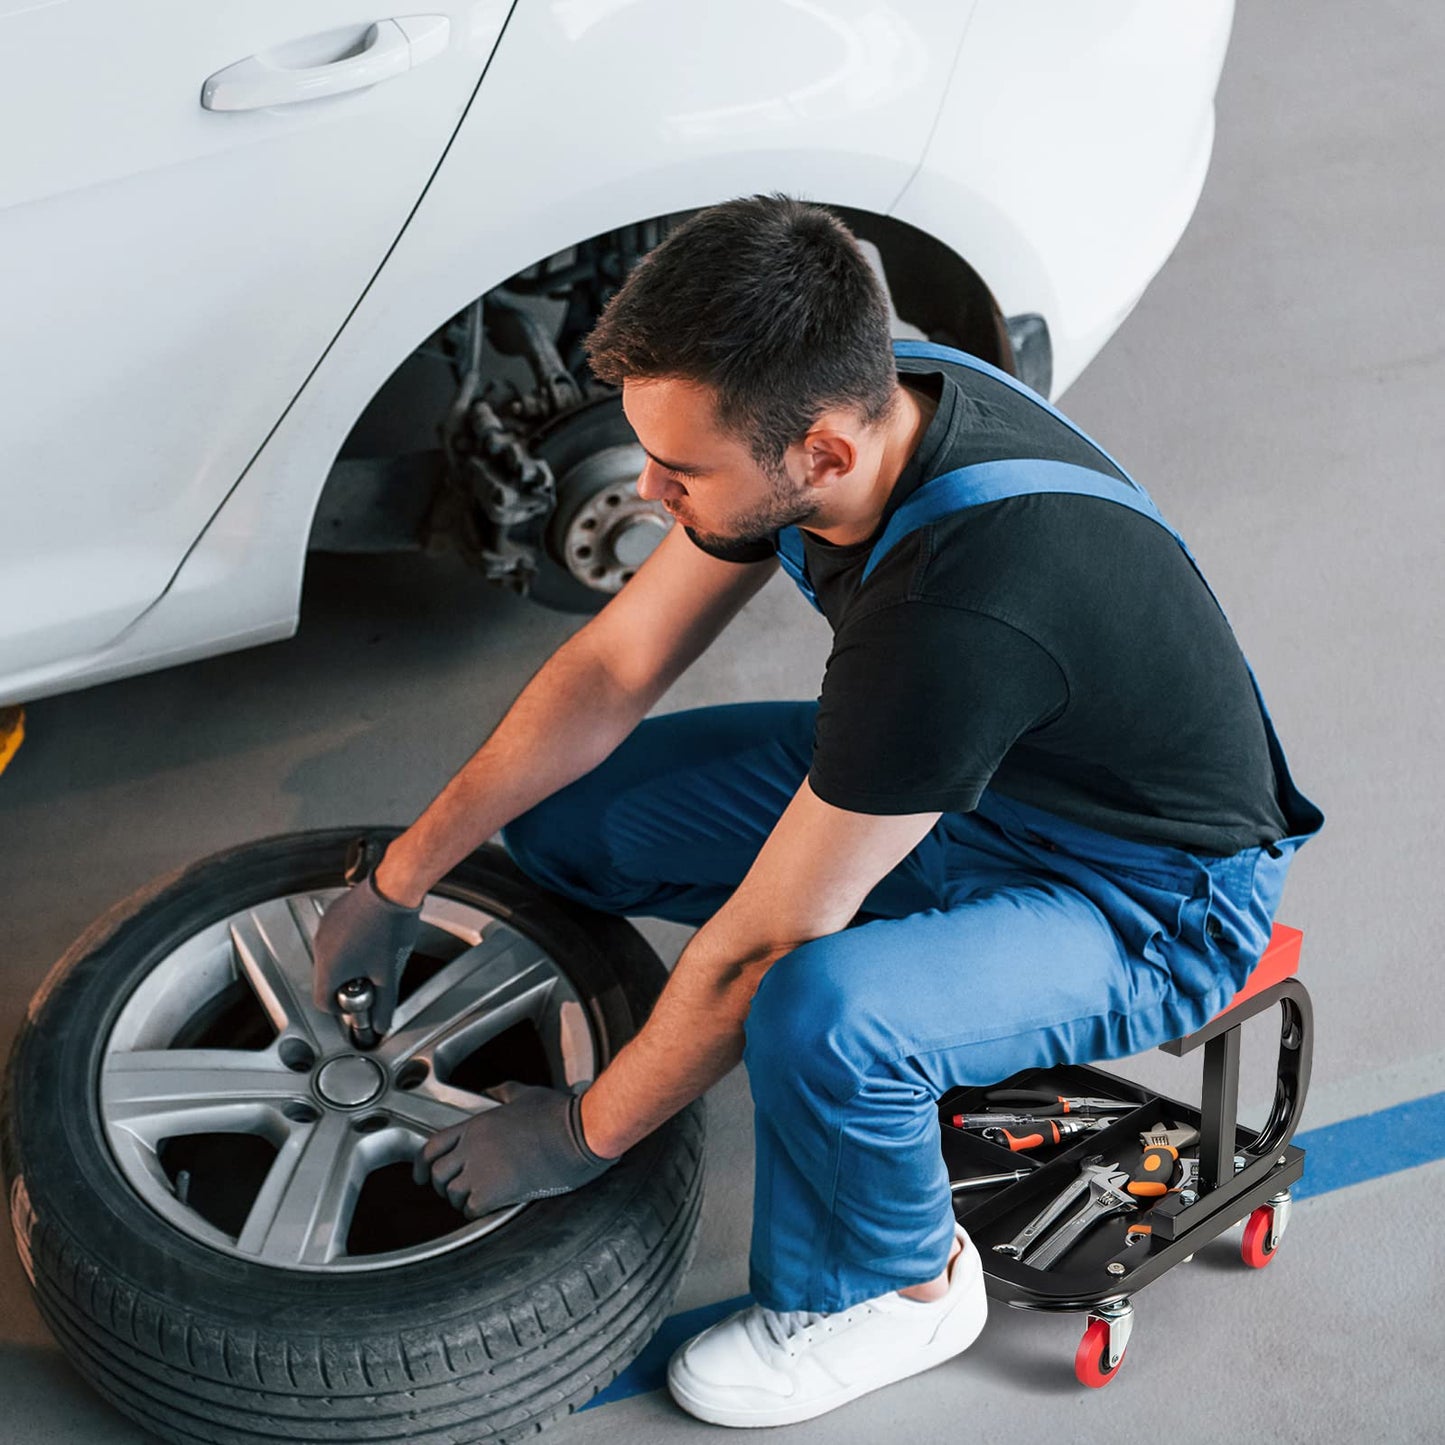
(1106,1197)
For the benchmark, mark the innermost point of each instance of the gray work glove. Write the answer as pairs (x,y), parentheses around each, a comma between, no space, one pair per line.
(363,934)
(529,1148)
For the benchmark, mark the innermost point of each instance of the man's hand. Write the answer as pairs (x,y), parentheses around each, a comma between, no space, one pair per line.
(363,934)
(530,1147)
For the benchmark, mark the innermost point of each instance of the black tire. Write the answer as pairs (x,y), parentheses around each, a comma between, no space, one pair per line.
(487,1342)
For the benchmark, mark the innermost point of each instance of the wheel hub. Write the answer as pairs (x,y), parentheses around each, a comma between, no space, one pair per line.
(350,1081)
(605,529)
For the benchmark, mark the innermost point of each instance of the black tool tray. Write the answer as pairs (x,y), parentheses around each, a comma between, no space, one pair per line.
(1081,1278)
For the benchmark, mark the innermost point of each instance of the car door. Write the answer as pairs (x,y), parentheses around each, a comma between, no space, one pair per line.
(193,197)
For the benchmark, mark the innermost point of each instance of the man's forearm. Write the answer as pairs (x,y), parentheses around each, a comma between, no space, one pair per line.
(566,720)
(693,1037)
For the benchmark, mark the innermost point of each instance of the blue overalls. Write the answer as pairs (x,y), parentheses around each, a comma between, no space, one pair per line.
(1009,938)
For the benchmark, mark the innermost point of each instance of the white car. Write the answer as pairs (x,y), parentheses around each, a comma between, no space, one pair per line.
(283,275)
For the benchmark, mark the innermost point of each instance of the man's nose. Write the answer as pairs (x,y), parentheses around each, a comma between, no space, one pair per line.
(653,485)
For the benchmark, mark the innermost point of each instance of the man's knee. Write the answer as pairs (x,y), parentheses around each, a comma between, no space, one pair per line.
(555,850)
(809,1027)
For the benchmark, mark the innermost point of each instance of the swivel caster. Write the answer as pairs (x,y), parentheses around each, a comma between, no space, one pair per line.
(1264,1230)
(1101,1351)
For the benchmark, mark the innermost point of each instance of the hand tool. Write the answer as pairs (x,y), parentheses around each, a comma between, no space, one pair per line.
(355,998)
(1161,1155)
(1041,1102)
(996,1119)
(1178,1136)
(1045,1131)
(1107,1195)
(985,1181)
(1117,1191)
(1015,1247)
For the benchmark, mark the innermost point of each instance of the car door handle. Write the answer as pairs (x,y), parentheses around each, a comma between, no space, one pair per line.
(388,49)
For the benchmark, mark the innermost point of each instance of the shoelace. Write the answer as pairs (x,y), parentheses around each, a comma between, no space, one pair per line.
(782,1325)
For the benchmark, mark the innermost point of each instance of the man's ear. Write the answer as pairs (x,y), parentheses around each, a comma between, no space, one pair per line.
(829,450)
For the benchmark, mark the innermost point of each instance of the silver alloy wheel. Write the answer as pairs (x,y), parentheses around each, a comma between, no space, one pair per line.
(325,1116)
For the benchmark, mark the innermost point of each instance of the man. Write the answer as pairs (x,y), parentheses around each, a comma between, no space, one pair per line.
(1038,813)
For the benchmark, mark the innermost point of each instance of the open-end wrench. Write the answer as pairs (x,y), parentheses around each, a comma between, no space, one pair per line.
(1050,1212)
(1106,1197)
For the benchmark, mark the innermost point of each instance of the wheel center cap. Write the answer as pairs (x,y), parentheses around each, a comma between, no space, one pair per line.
(350,1081)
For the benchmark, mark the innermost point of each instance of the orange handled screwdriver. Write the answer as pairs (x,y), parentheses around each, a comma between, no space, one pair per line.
(1046,1131)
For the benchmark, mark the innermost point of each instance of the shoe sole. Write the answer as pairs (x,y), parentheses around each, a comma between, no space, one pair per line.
(970,1317)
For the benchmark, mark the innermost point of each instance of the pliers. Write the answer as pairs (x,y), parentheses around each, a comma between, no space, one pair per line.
(1042,1104)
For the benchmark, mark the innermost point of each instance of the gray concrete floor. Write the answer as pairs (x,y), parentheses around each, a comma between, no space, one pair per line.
(1277,390)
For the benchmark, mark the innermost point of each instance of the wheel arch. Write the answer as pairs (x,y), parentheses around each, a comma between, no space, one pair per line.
(934,292)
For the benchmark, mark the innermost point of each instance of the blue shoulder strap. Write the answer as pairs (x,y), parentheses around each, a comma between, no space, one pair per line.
(789,547)
(995,481)
(935,352)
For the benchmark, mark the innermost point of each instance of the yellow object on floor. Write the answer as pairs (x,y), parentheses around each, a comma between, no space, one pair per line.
(12,733)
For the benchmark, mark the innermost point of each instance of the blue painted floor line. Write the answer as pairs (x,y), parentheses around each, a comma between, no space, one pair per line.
(1338,1155)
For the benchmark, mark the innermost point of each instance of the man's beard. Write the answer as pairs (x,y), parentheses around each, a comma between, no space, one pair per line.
(788,506)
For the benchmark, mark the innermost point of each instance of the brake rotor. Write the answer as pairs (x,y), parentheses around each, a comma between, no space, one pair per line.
(602,530)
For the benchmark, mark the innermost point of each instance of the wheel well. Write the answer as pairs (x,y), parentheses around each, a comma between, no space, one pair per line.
(932,288)
(377,496)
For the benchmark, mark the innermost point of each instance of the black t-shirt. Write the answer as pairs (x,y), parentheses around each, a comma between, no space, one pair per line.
(1058,649)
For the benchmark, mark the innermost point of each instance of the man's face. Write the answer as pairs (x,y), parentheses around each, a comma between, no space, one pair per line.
(706,477)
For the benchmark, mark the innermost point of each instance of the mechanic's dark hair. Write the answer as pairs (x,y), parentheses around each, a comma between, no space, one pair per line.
(769,301)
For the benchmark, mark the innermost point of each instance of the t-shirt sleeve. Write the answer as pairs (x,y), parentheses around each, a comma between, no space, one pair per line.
(920,702)
(734,551)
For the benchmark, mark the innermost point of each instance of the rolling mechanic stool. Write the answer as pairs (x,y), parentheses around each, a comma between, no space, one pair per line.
(1242,1174)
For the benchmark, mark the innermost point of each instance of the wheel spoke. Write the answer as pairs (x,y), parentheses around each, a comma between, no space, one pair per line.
(433,1105)
(272,945)
(163,1093)
(480,993)
(303,1211)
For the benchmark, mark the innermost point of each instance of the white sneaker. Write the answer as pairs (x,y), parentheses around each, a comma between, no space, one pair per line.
(769,1367)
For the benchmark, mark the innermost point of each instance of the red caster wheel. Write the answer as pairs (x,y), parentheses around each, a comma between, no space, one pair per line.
(1091,1359)
(1263,1231)
(1256,1249)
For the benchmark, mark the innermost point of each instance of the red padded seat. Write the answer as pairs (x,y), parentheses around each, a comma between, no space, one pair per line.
(1279,960)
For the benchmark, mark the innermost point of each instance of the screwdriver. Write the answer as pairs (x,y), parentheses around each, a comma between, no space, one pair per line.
(993,1121)
(1046,1131)
(986,1181)
(1152,1177)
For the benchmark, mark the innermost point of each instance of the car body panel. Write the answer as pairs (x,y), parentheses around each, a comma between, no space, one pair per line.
(173,273)
(1070,154)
